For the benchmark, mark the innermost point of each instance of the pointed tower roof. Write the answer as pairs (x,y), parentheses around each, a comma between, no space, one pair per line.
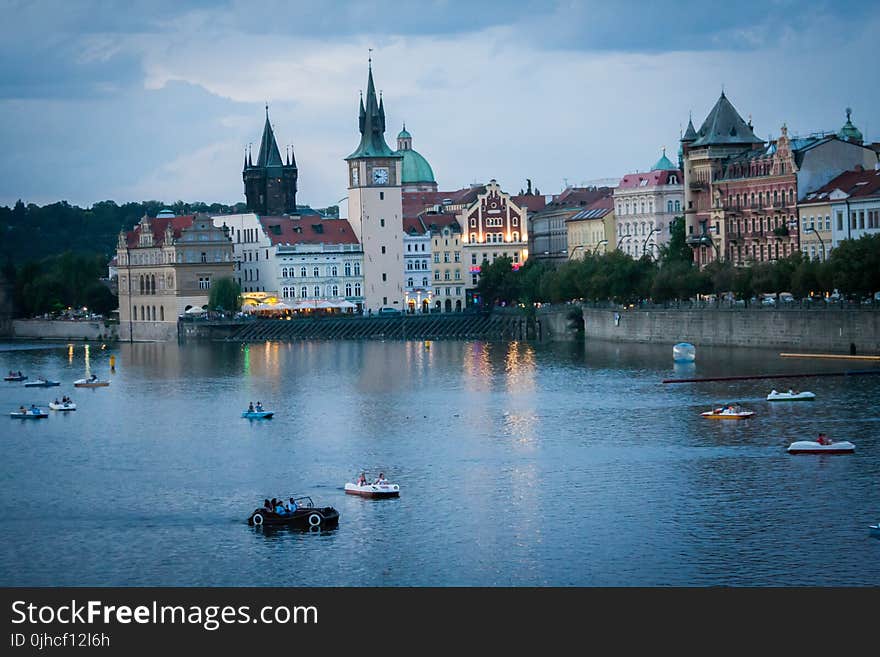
(664,164)
(372,126)
(690,134)
(849,132)
(725,126)
(269,155)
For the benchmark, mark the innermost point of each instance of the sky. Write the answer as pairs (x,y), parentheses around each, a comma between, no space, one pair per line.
(158,99)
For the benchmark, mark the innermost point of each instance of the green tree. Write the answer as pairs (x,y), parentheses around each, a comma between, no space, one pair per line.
(225,295)
(855,266)
(677,249)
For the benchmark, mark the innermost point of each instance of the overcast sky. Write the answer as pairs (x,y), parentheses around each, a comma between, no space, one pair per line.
(157,99)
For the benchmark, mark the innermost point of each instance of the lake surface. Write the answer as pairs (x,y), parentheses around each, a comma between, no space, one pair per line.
(518,464)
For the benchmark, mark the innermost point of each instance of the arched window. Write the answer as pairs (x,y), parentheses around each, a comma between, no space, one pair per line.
(302,272)
(790,196)
(357,270)
(335,289)
(514,237)
(409,282)
(334,271)
(304,292)
(348,289)
(348,269)
(284,272)
(144,314)
(677,206)
(357,289)
(669,206)
(317,290)
(141,282)
(154,313)
(425,281)
(134,313)
(162,313)
(409,266)
(315,271)
(473,237)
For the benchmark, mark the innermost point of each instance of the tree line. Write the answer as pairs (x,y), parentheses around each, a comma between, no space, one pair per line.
(853,269)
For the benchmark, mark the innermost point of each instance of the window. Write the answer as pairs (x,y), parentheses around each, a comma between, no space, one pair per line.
(317,290)
(334,270)
(446,276)
(383,249)
(446,256)
(315,271)
(409,266)
(162,313)
(348,289)
(457,274)
(436,257)
(409,282)
(357,269)
(134,313)
(284,272)
(347,269)
(473,222)
(382,223)
(827,222)
(357,289)
(381,196)
(425,281)
(384,277)
(204,282)
(302,272)
(473,237)
(335,290)
(669,206)
(304,291)
(677,206)
(436,274)
(204,257)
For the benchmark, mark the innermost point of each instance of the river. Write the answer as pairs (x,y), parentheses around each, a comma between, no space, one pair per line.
(519,464)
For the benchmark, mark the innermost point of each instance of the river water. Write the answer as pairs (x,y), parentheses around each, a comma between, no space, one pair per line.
(518,464)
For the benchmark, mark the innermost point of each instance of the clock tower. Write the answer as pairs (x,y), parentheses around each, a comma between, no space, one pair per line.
(375,206)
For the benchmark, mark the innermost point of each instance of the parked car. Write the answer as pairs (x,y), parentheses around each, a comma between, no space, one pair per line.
(768,300)
(786,297)
(388,311)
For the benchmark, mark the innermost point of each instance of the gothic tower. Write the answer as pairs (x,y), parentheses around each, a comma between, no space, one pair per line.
(270,183)
(375,205)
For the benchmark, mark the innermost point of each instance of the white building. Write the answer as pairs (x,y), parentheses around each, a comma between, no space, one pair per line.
(254,270)
(645,205)
(854,197)
(417,265)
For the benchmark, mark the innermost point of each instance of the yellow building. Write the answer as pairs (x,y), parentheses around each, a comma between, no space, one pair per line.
(592,230)
(447,263)
(166,266)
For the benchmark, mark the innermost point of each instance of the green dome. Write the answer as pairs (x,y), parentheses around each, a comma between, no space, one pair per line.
(415,168)
(663,164)
(404,134)
(849,132)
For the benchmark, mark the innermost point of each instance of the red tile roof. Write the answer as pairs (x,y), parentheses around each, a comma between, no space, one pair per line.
(308,230)
(653,178)
(860,183)
(531,202)
(159,225)
(413,225)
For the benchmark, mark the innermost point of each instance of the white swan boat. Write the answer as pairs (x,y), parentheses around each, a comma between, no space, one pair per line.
(815,447)
(62,406)
(791,395)
(90,383)
(386,489)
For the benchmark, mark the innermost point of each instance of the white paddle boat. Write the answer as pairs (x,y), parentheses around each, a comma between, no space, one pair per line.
(42,383)
(62,406)
(729,412)
(91,382)
(382,488)
(791,395)
(822,446)
(29,414)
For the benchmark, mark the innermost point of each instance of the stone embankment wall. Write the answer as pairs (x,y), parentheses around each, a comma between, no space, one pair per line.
(48,329)
(814,330)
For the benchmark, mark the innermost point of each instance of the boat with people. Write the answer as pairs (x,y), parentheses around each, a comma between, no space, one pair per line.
(728,412)
(380,488)
(32,413)
(91,382)
(791,395)
(257,412)
(296,512)
(14,376)
(823,445)
(42,383)
(66,404)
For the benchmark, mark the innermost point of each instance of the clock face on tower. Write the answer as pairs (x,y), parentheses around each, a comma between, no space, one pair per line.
(380,176)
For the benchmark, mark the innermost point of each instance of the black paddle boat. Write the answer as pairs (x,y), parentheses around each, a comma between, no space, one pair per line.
(306,516)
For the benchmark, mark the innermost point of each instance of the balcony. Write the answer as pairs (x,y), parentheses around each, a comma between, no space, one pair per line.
(698,185)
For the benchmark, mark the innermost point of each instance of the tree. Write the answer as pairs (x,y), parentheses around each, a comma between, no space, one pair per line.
(225,295)
(855,266)
(677,250)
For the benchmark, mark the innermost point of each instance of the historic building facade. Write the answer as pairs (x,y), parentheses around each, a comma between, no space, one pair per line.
(493,226)
(447,262)
(270,183)
(548,230)
(741,195)
(375,206)
(645,206)
(252,251)
(417,265)
(591,231)
(166,266)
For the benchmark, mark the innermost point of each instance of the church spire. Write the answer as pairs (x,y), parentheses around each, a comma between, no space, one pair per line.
(372,124)
(269,154)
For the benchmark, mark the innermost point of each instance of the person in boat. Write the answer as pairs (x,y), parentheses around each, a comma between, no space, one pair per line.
(267,506)
(22,410)
(57,402)
(251,410)
(279,508)
(380,481)
(291,506)
(259,407)
(362,480)
(824,440)
(93,377)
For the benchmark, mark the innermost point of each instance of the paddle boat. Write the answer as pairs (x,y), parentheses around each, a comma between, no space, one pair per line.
(92,382)
(257,414)
(791,395)
(379,489)
(32,413)
(306,516)
(874,529)
(823,445)
(62,406)
(42,383)
(728,412)
(14,376)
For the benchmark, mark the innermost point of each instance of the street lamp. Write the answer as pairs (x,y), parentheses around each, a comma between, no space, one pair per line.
(821,241)
(622,237)
(598,244)
(645,243)
(574,250)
